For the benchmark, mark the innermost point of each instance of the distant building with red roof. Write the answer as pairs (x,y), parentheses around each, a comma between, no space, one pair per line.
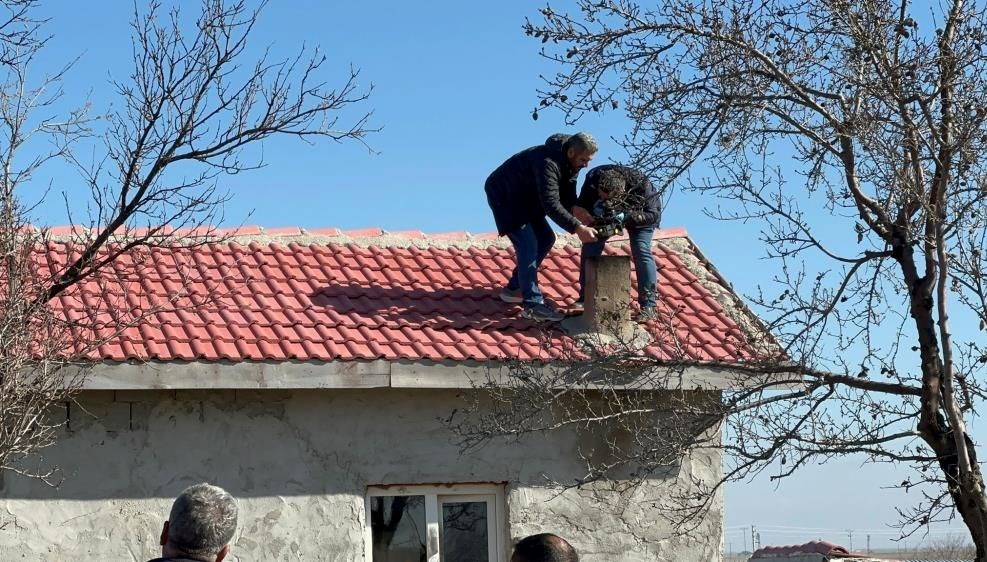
(822,551)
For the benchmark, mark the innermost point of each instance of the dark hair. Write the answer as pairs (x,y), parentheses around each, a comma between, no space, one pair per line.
(610,181)
(544,547)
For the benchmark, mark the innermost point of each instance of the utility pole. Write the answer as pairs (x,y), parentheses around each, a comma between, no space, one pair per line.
(850,532)
(868,543)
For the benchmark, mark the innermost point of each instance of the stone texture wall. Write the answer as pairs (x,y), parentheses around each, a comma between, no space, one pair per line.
(299,463)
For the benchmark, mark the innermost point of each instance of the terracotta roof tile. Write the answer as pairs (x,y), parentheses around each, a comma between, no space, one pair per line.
(284,231)
(416,234)
(408,296)
(247,229)
(326,231)
(459,235)
(364,232)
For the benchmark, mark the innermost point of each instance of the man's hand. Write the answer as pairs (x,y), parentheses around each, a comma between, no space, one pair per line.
(586,234)
(583,215)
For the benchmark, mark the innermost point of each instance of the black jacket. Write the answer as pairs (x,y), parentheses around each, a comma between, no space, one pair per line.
(646,211)
(532,184)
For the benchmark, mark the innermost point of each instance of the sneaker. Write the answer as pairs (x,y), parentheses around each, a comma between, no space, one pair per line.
(512,296)
(647,314)
(542,313)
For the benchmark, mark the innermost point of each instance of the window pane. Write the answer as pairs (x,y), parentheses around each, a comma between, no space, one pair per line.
(398,528)
(464,532)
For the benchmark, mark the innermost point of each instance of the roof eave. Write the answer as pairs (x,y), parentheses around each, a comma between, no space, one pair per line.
(380,373)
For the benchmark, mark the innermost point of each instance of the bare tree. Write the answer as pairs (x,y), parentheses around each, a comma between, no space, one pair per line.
(853,133)
(947,547)
(192,104)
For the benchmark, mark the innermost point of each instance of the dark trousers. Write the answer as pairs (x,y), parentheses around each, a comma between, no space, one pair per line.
(531,244)
(644,264)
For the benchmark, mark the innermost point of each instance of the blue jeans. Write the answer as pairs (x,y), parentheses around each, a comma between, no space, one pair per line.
(531,244)
(644,264)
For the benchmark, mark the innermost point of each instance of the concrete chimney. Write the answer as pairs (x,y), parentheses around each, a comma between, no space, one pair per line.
(607,305)
(608,294)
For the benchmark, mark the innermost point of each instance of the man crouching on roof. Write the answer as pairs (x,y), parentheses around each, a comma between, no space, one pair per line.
(537,182)
(618,193)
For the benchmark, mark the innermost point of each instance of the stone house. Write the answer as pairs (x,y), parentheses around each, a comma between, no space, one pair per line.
(311,386)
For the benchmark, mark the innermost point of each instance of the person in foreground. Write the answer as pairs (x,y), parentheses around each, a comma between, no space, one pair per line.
(200,527)
(614,194)
(537,182)
(544,547)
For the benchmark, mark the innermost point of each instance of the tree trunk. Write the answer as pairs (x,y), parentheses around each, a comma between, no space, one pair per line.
(967,491)
(965,482)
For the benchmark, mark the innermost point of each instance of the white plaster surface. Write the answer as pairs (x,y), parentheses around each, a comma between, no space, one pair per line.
(299,463)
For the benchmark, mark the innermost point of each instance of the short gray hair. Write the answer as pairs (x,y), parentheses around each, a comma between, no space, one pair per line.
(202,520)
(582,142)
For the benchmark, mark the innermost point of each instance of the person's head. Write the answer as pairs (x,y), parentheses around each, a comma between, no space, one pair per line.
(544,547)
(579,150)
(610,183)
(201,524)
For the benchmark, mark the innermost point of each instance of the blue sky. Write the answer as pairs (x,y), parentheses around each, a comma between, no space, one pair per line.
(454,87)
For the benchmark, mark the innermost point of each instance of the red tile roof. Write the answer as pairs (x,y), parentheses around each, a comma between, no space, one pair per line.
(290,295)
(823,548)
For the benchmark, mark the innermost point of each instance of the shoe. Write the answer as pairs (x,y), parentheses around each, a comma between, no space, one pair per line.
(578,306)
(542,313)
(647,314)
(512,296)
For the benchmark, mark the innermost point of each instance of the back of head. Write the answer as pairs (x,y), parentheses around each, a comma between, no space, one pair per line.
(544,547)
(610,181)
(557,141)
(582,143)
(202,521)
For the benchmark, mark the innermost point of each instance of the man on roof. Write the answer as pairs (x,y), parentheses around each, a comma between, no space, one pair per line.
(614,195)
(537,182)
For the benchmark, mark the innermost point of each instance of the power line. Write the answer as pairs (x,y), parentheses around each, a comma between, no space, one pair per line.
(791,529)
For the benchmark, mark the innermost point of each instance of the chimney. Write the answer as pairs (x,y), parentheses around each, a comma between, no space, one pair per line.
(608,297)
(608,294)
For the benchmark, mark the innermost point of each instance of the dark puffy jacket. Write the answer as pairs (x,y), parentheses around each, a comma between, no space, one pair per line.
(645,215)
(532,184)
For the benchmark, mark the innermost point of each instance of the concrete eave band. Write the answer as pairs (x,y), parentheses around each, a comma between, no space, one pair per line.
(175,375)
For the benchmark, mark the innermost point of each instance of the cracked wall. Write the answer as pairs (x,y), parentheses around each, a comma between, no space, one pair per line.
(299,463)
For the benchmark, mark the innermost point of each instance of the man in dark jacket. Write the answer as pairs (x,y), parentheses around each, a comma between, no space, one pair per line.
(533,183)
(614,190)
(200,527)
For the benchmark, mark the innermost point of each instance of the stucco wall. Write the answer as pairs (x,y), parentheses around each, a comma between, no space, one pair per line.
(299,463)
